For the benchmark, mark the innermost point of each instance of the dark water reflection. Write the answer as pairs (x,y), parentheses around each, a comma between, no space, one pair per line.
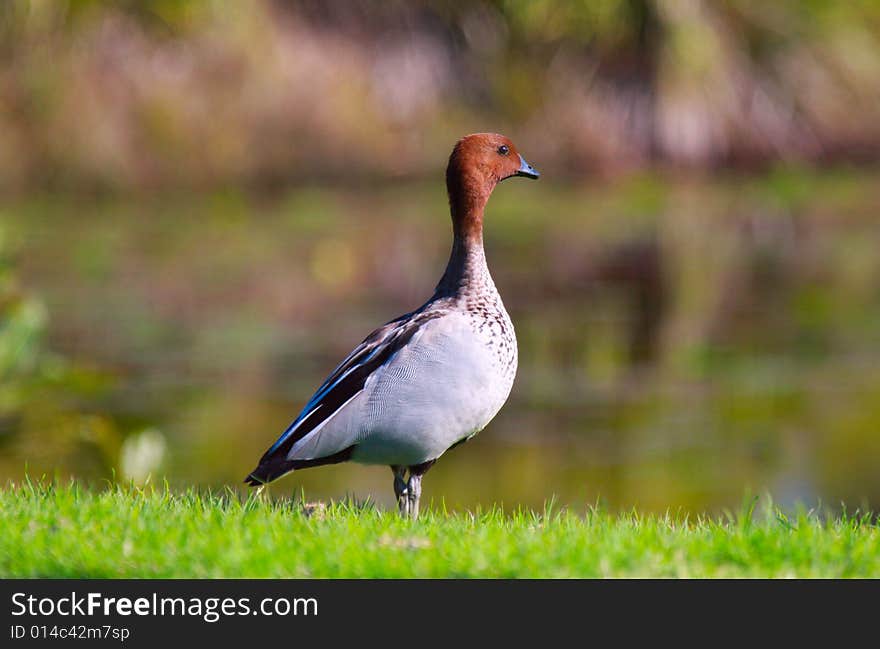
(680,343)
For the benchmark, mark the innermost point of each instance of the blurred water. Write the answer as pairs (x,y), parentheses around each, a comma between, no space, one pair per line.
(681,342)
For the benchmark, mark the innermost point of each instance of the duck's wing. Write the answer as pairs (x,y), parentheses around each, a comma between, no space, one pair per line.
(344,384)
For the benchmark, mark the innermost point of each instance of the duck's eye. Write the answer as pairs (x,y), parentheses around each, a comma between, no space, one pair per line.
(503,149)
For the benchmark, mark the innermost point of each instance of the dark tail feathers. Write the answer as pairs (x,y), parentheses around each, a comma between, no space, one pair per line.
(272,468)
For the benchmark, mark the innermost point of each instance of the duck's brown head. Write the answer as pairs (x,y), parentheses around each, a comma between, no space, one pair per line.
(478,163)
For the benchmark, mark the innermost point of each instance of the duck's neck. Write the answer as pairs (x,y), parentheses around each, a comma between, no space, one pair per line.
(466,271)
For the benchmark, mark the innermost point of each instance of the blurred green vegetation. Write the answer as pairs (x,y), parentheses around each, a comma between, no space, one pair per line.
(42,391)
(204,205)
(683,340)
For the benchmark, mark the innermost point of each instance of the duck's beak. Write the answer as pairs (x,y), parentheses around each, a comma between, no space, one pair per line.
(527,170)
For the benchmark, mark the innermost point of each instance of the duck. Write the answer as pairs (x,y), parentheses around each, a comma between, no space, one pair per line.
(427,380)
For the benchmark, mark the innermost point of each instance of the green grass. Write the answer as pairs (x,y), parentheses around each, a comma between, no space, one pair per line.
(71,531)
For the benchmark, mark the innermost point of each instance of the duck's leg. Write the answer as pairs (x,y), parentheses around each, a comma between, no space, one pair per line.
(400,489)
(414,492)
(414,486)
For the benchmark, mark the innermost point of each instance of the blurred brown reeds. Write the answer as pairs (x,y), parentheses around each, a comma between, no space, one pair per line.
(140,95)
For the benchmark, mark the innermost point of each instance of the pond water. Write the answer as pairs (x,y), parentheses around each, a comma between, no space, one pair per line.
(682,342)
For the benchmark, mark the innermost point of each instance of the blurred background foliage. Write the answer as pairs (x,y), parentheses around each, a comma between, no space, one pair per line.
(205,204)
(156,93)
